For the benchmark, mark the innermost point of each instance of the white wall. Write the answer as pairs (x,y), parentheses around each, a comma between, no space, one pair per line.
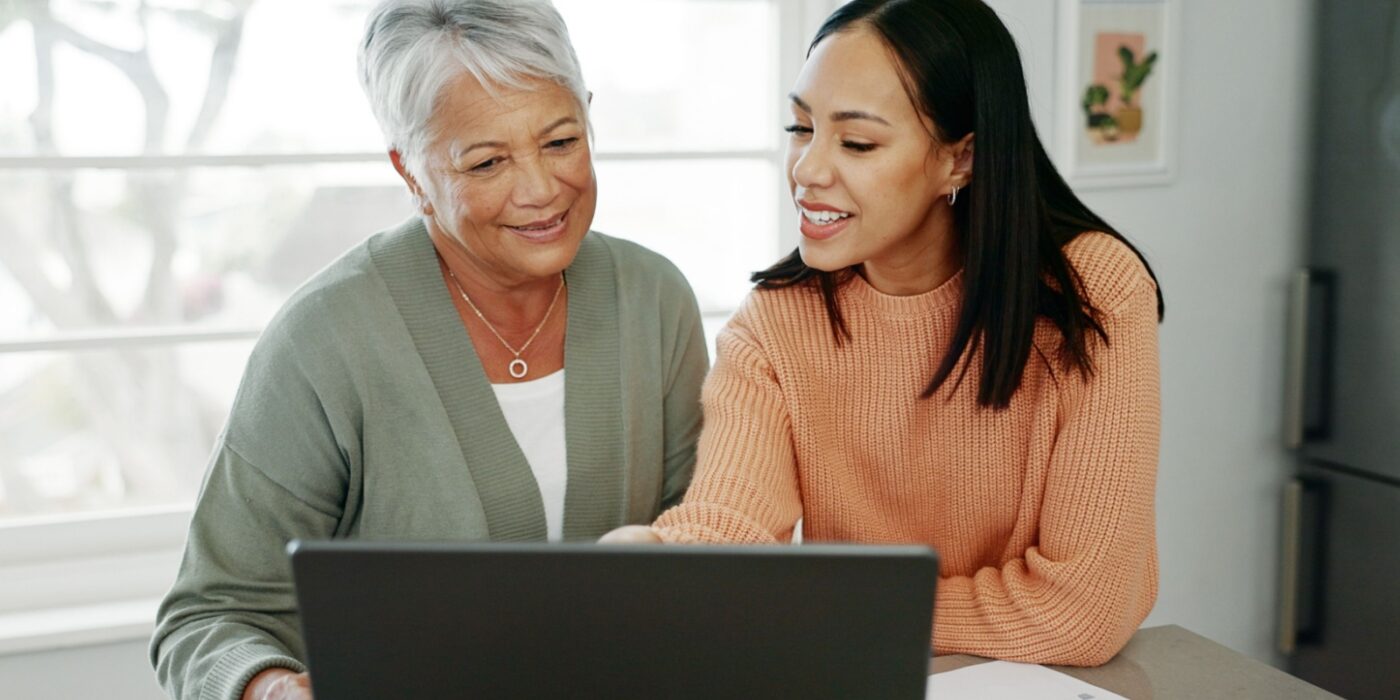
(1223,238)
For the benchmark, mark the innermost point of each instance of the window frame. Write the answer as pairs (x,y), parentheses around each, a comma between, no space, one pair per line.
(119,563)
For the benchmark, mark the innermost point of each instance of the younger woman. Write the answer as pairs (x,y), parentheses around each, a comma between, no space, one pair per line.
(959,353)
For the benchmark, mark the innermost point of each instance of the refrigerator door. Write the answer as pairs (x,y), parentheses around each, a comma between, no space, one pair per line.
(1345,618)
(1353,398)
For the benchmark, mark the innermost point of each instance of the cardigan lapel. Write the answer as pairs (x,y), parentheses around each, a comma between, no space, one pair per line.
(510,496)
(593,396)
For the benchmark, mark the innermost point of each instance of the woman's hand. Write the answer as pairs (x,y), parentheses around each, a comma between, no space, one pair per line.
(278,684)
(631,534)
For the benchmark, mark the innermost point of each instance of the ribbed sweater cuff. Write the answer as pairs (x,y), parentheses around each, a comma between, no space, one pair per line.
(675,535)
(231,673)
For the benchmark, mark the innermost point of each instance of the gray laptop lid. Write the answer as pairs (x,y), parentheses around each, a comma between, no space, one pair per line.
(388,620)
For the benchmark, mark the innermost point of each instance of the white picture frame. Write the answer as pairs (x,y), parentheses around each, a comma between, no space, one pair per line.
(1102,140)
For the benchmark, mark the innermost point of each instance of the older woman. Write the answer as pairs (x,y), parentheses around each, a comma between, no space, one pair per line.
(490,369)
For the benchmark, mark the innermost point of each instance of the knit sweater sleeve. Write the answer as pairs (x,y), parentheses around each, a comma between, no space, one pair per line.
(745,487)
(1079,593)
(278,473)
(685,375)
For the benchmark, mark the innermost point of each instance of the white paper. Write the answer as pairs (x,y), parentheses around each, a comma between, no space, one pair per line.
(1005,680)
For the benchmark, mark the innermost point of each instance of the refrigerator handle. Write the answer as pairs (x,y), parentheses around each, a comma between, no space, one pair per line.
(1307,387)
(1293,390)
(1292,551)
(1303,563)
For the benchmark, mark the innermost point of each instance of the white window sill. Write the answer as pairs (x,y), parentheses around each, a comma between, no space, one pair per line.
(27,632)
(70,582)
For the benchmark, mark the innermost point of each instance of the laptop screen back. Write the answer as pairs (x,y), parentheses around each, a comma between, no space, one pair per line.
(583,621)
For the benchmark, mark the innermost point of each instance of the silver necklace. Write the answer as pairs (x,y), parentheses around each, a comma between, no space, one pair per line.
(517,368)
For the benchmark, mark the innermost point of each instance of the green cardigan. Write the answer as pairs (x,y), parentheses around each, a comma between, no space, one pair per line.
(364,413)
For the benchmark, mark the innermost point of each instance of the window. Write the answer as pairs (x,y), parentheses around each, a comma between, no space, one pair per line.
(170,170)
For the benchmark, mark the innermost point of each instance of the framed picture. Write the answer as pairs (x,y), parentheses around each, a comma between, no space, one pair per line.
(1116,91)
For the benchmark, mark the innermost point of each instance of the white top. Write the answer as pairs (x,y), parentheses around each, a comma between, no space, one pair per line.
(534,410)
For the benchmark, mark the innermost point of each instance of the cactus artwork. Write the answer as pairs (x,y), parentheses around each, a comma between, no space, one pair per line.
(1112,103)
(1134,73)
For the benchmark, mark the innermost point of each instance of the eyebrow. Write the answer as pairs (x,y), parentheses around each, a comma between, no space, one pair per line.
(842,116)
(501,144)
(558,123)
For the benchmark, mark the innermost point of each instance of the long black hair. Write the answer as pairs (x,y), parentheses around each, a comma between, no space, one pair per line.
(961,68)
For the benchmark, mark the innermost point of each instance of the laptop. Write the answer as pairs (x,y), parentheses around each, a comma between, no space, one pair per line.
(400,620)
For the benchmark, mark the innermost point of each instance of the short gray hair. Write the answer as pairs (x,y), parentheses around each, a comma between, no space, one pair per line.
(413,48)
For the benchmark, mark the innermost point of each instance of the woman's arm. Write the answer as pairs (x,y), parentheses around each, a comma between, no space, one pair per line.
(689,361)
(745,487)
(277,474)
(1078,595)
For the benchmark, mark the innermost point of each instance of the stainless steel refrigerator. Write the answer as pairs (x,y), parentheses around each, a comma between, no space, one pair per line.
(1340,612)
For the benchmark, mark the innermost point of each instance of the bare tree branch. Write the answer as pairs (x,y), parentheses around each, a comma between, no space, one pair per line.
(62,211)
(137,67)
(221,65)
(222,61)
(136,403)
(23,265)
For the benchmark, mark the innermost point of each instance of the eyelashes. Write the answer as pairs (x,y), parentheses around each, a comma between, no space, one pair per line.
(485,166)
(558,145)
(855,146)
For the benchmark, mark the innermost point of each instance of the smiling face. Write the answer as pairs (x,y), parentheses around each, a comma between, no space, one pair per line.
(869,180)
(507,181)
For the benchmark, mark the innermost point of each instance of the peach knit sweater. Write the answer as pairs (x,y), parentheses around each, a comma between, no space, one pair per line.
(1042,513)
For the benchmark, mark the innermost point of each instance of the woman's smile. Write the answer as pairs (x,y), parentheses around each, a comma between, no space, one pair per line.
(546,230)
(821,221)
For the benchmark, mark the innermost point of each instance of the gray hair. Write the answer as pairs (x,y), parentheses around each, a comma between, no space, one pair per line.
(413,48)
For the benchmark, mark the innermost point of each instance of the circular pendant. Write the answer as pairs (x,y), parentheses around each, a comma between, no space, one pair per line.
(518,368)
